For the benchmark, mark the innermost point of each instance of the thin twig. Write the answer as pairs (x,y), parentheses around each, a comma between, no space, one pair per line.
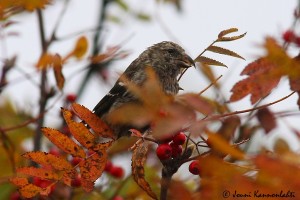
(214,117)
(210,85)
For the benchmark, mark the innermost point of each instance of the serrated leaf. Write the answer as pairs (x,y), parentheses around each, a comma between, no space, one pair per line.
(47,159)
(227,31)
(222,38)
(30,190)
(19,181)
(91,169)
(224,51)
(79,130)
(209,61)
(138,160)
(93,121)
(64,142)
(39,172)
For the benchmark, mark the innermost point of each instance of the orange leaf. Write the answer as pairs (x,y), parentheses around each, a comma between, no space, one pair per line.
(57,68)
(93,121)
(138,160)
(81,47)
(64,142)
(19,181)
(46,159)
(266,119)
(197,103)
(91,169)
(45,61)
(32,5)
(30,190)
(263,77)
(79,130)
(39,172)
(221,145)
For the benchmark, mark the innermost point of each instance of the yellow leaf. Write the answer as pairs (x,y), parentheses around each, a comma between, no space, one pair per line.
(64,142)
(57,68)
(221,145)
(31,5)
(81,47)
(46,159)
(79,130)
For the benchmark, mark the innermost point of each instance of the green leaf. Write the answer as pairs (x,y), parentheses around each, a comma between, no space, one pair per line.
(122,5)
(224,51)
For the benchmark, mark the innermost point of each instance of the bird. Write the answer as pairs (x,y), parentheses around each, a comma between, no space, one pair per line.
(167,59)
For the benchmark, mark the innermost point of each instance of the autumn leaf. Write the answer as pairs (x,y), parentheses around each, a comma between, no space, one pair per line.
(64,142)
(220,145)
(262,79)
(209,61)
(31,5)
(19,181)
(79,130)
(57,68)
(222,38)
(81,47)
(47,159)
(30,190)
(224,51)
(266,119)
(39,172)
(93,121)
(91,169)
(138,160)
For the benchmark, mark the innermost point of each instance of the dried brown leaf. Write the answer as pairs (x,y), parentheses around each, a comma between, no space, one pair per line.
(39,172)
(224,51)
(266,119)
(209,61)
(138,160)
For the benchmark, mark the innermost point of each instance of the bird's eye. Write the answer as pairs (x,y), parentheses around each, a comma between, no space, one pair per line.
(172,51)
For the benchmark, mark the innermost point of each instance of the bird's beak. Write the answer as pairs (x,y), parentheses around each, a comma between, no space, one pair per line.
(187,62)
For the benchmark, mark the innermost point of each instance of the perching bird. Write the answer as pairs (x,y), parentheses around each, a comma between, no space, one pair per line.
(167,60)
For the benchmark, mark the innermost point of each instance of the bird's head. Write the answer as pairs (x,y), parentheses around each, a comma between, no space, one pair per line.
(169,58)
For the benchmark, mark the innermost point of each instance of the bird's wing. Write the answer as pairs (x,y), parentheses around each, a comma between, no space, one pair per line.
(117,91)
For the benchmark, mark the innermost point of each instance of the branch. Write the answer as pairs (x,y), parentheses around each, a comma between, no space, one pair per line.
(214,117)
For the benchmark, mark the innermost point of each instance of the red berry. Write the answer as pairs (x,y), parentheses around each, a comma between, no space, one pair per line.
(15,196)
(117,172)
(164,151)
(71,98)
(297,41)
(289,36)
(76,160)
(108,166)
(76,182)
(118,198)
(179,138)
(194,167)
(176,149)
(54,151)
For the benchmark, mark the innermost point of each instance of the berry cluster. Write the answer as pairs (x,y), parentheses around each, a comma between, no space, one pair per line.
(115,171)
(290,36)
(171,147)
